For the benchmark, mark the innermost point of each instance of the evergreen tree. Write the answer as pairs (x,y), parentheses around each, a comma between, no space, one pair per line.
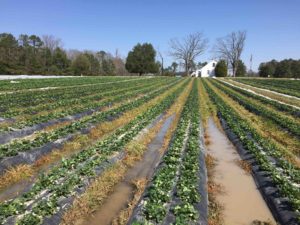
(241,69)
(81,65)
(266,69)
(141,59)
(283,69)
(174,67)
(60,60)
(8,53)
(221,69)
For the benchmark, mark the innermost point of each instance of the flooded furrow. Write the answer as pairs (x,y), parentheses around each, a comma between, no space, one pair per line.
(123,192)
(243,203)
(16,189)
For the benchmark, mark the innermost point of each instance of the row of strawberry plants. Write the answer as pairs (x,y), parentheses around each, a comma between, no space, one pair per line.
(179,171)
(23,84)
(185,210)
(14,104)
(289,87)
(37,97)
(85,105)
(30,116)
(277,153)
(93,94)
(284,122)
(22,145)
(164,181)
(74,96)
(287,179)
(63,180)
(277,105)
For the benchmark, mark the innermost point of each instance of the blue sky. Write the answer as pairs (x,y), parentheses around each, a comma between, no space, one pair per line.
(273,26)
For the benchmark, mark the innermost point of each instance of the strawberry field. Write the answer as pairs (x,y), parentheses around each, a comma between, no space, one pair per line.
(69,145)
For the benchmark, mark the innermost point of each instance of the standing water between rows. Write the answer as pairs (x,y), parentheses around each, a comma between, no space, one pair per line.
(122,194)
(241,199)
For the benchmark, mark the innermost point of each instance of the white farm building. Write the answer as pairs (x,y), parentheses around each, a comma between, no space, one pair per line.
(206,71)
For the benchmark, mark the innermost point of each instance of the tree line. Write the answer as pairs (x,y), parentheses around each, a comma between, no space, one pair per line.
(31,54)
(289,68)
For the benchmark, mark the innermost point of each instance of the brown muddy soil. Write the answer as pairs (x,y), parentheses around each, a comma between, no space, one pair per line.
(242,201)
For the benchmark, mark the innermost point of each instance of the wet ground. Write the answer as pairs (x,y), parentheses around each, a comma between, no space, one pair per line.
(241,199)
(123,192)
(14,190)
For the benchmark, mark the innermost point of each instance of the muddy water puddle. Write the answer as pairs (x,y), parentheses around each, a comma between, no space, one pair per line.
(241,199)
(14,190)
(123,192)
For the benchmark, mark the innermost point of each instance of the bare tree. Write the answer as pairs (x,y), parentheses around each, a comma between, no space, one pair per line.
(72,54)
(119,64)
(52,42)
(230,48)
(162,61)
(188,49)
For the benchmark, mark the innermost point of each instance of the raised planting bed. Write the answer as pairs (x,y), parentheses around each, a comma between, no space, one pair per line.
(281,120)
(285,86)
(176,194)
(277,105)
(53,191)
(35,123)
